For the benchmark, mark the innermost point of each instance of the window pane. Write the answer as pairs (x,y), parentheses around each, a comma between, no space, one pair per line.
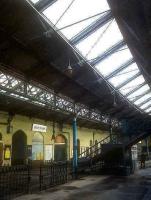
(114,61)
(79,10)
(138,92)
(148,110)
(145,105)
(132,85)
(101,40)
(124,75)
(145,97)
(35,1)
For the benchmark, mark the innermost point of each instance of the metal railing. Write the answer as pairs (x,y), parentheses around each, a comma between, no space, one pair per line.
(19,180)
(52,174)
(96,148)
(14,181)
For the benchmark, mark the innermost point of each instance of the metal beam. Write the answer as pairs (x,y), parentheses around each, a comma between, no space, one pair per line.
(140,96)
(33,93)
(139,105)
(125,65)
(128,80)
(107,53)
(135,89)
(43,4)
(92,28)
(147,107)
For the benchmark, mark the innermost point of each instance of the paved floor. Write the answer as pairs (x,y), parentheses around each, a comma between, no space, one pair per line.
(135,187)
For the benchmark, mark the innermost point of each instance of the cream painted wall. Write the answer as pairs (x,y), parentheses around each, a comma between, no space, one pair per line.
(25,124)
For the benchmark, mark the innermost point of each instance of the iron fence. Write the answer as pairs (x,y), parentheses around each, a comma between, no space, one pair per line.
(52,174)
(19,180)
(14,181)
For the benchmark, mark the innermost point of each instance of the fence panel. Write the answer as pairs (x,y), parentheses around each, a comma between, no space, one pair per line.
(14,181)
(52,174)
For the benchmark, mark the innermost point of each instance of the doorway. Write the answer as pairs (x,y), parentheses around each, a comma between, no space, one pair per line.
(19,145)
(60,148)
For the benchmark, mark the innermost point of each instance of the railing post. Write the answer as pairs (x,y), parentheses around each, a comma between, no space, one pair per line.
(75,153)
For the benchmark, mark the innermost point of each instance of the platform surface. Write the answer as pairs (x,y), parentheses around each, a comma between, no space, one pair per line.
(134,187)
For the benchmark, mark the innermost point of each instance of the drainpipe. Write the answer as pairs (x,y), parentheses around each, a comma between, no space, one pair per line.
(75,153)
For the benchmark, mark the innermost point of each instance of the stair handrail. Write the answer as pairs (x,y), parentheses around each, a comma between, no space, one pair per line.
(94,147)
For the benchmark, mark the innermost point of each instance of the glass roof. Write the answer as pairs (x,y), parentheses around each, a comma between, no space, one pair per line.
(132,85)
(123,75)
(138,92)
(101,38)
(142,99)
(101,45)
(145,105)
(148,110)
(114,61)
(35,1)
(80,9)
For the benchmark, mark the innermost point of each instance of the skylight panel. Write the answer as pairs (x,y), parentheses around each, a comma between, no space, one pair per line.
(70,32)
(145,105)
(138,92)
(142,99)
(114,61)
(124,75)
(132,85)
(79,10)
(148,110)
(35,1)
(100,40)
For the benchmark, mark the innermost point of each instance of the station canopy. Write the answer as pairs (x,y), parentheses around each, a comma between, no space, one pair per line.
(92,30)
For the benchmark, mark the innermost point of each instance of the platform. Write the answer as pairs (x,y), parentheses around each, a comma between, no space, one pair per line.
(135,187)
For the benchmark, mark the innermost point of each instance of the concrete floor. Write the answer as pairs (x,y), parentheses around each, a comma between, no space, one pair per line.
(135,187)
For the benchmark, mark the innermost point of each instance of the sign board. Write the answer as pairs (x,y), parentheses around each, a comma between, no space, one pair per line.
(39,128)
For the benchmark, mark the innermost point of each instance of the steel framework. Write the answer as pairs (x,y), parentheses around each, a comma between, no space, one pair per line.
(39,95)
(92,28)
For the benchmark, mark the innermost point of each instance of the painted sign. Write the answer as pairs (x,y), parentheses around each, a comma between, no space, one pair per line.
(39,128)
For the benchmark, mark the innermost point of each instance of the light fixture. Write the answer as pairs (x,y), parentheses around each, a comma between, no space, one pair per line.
(68,71)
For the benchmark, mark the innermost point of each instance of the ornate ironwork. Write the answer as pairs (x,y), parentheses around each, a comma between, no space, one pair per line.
(37,94)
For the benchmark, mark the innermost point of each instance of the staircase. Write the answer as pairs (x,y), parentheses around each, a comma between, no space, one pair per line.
(95,160)
(92,159)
